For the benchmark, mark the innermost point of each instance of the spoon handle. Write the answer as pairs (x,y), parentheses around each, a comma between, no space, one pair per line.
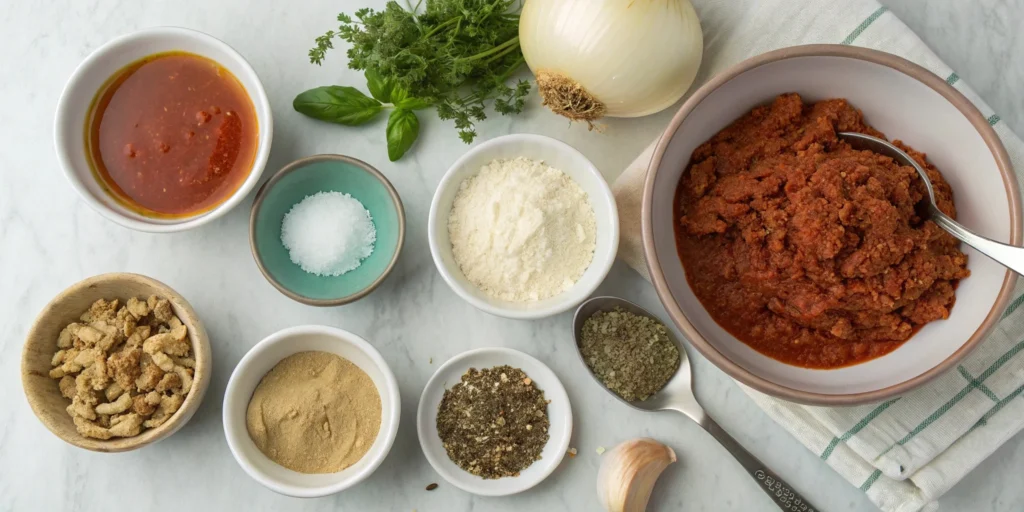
(780,492)
(1009,256)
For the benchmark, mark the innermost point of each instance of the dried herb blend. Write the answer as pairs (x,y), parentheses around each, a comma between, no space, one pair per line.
(494,422)
(631,354)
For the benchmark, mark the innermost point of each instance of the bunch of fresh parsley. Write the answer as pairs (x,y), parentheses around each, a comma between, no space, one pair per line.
(454,55)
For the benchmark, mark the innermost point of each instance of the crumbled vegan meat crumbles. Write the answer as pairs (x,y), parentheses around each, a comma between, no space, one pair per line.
(807,250)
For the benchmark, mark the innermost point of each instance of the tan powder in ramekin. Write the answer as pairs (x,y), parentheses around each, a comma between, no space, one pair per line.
(314,412)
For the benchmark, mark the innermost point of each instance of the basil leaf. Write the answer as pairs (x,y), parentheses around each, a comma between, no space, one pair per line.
(337,104)
(413,104)
(403,128)
(378,86)
(398,94)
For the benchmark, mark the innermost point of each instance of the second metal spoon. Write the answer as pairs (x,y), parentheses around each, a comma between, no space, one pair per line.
(1007,255)
(678,396)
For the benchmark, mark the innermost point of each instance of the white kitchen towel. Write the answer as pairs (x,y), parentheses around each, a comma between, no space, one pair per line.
(905,452)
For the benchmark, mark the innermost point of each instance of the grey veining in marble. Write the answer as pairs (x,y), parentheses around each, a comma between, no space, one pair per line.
(50,239)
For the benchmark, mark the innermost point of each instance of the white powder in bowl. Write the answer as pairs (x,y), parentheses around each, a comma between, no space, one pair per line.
(328,233)
(521,230)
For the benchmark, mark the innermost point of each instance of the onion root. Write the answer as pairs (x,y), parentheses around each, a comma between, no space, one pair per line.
(567,98)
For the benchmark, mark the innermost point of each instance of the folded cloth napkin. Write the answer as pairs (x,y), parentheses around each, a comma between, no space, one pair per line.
(905,452)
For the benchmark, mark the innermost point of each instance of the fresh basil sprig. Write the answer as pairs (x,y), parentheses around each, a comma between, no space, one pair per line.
(350,107)
(403,128)
(337,104)
(460,55)
(379,88)
(413,104)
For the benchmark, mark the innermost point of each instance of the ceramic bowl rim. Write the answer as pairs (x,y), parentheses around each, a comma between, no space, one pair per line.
(299,164)
(550,465)
(900,65)
(390,430)
(261,106)
(566,300)
(201,352)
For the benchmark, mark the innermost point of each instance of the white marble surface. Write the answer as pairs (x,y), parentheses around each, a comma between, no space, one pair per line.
(49,239)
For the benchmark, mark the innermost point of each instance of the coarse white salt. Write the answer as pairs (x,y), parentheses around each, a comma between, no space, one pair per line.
(328,233)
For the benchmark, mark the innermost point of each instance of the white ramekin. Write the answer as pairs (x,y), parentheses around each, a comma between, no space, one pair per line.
(559,155)
(107,60)
(260,360)
(559,415)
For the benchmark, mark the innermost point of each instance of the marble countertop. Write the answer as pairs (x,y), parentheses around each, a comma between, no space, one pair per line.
(50,239)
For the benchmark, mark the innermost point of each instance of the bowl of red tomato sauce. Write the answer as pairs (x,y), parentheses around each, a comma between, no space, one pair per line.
(164,129)
(764,242)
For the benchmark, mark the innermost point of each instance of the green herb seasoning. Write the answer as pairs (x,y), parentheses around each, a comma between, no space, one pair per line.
(631,354)
(494,423)
(456,56)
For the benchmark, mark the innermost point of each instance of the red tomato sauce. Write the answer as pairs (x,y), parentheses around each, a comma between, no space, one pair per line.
(807,250)
(172,135)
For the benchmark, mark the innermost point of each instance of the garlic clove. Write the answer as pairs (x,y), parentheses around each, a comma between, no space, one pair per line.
(628,473)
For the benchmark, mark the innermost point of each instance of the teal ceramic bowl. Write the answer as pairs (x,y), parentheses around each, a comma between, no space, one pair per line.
(326,173)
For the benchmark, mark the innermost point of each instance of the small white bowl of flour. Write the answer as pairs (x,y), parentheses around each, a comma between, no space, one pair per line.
(523,226)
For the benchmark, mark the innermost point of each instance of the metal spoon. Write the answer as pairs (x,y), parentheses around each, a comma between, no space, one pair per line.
(678,396)
(1007,255)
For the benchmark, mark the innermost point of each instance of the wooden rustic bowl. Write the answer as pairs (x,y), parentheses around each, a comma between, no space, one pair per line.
(41,343)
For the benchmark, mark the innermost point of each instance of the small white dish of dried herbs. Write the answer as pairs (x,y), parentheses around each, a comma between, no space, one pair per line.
(494,421)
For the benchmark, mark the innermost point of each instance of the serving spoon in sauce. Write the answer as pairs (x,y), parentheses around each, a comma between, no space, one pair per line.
(1007,255)
(678,396)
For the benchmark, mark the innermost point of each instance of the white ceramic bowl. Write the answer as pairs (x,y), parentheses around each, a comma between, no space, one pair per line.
(106,61)
(260,360)
(905,102)
(559,155)
(450,373)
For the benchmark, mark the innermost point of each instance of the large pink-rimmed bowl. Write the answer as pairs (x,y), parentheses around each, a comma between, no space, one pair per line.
(904,101)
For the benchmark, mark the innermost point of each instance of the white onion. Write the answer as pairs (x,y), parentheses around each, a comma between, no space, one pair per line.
(618,58)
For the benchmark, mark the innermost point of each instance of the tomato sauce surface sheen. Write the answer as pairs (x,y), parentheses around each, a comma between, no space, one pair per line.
(173,134)
(807,250)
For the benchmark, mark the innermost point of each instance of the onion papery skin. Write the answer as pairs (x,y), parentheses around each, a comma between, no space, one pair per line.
(636,57)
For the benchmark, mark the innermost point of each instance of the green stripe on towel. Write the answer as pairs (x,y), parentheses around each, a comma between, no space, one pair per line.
(856,428)
(999,405)
(864,25)
(952,79)
(1001,361)
(970,378)
(931,418)
(1017,392)
(1013,306)
(993,119)
(959,396)
(871,480)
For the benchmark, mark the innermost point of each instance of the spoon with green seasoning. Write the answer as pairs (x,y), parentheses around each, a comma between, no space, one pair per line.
(629,352)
